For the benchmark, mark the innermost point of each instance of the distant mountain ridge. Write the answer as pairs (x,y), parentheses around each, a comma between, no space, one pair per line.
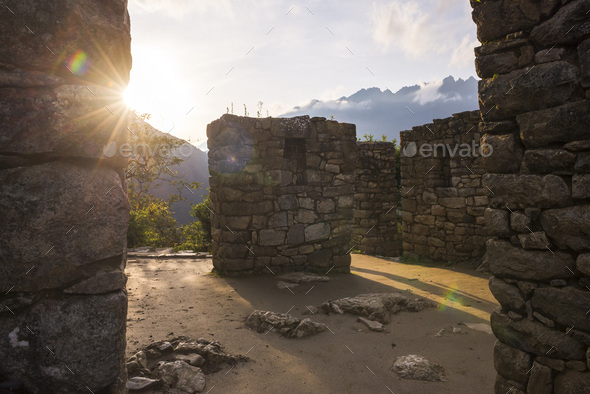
(195,168)
(380,112)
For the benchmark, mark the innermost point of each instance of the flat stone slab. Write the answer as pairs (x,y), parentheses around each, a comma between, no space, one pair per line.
(418,368)
(139,383)
(287,325)
(303,277)
(373,325)
(377,306)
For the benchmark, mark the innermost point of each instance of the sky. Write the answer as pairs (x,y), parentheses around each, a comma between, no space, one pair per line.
(193,59)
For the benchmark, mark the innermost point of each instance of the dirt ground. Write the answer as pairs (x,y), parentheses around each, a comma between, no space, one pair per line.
(180,297)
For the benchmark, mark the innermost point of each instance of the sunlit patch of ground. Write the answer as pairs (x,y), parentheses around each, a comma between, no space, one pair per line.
(180,297)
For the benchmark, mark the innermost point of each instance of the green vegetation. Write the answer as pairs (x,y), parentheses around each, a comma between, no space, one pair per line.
(197,235)
(150,165)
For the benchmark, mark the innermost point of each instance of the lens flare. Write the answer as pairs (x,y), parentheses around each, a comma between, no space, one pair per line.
(79,62)
(450,296)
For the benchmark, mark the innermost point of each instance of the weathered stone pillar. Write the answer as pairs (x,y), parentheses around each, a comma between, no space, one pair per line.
(375,200)
(535,66)
(64,210)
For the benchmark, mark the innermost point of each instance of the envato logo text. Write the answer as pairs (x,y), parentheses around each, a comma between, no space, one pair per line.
(448,150)
(146,150)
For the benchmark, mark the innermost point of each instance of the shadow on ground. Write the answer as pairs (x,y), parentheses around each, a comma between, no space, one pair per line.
(181,298)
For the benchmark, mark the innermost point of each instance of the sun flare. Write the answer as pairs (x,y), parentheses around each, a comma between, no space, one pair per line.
(156,87)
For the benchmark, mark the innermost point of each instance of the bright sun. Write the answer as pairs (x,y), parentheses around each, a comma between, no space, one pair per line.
(156,87)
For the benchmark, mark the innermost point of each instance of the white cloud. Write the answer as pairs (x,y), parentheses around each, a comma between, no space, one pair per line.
(423,29)
(428,92)
(463,55)
(179,8)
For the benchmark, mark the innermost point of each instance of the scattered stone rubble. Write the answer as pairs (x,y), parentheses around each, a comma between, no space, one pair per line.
(287,325)
(377,306)
(177,365)
(418,368)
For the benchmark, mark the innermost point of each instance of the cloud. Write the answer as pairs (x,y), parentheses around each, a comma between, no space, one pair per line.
(179,8)
(428,92)
(422,29)
(463,55)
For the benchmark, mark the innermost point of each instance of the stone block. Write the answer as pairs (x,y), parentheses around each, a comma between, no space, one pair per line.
(509,261)
(536,240)
(543,86)
(295,235)
(496,221)
(102,282)
(521,191)
(320,258)
(278,220)
(76,217)
(238,222)
(540,381)
(345,202)
(341,261)
(520,222)
(271,238)
(571,382)
(568,227)
(507,295)
(568,26)
(496,63)
(501,154)
(583,50)
(306,216)
(96,354)
(581,186)
(583,162)
(317,232)
(533,337)
(452,202)
(503,386)
(512,363)
(547,161)
(326,206)
(583,264)
(565,123)
(424,219)
(496,19)
(549,55)
(567,306)
(287,202)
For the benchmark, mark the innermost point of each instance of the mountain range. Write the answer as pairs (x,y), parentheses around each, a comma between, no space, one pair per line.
(380,112)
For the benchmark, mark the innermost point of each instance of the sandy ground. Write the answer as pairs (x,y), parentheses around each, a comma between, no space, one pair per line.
(180,297)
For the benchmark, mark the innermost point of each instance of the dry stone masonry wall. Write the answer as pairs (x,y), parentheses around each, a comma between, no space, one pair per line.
(534,101)
(282,193)
(375,208)
(63,303)
(443,199)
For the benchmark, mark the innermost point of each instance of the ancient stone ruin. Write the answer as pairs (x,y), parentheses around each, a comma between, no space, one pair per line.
(282,193)
(375,202)
(443,199)
(535,71)
(63,303)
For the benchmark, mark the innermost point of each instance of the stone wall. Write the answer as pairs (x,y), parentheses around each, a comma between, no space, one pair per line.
(535,71)
(443,200)
(282,193)
(63,302)
(375,203)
